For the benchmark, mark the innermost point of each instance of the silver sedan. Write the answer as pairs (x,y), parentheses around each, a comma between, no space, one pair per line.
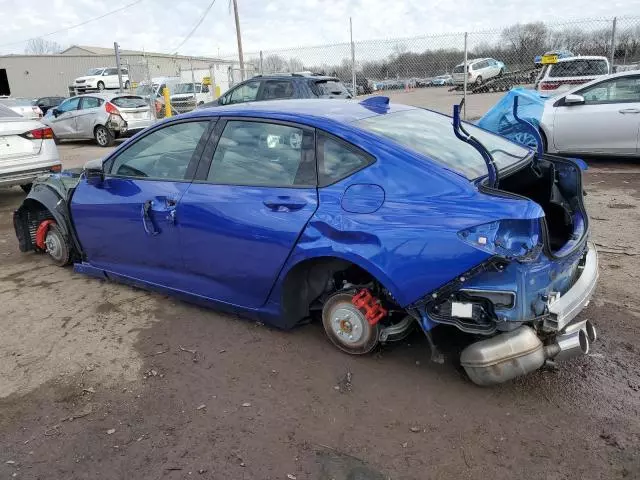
(101,116)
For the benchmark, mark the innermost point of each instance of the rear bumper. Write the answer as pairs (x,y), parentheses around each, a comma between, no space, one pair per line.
(24,177)
(563,309)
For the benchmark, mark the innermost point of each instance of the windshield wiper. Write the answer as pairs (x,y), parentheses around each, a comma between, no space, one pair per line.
(466,137)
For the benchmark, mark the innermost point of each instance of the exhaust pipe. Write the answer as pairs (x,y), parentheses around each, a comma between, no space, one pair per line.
(574,341)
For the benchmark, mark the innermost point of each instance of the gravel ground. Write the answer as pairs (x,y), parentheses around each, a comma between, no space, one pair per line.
(99,380)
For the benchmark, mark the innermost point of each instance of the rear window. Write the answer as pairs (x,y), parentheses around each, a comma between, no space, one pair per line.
(431,134)
(459,69)
(329,88)
(578,68)
(129,101)
(7,112)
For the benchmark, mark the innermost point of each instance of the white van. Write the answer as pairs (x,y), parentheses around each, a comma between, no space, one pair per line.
(566,73)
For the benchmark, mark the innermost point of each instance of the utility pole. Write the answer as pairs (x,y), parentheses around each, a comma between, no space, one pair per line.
(613,44)
(239,36)
(353,61)
(116,48)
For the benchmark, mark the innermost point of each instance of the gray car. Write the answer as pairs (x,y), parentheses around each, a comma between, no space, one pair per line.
(101,116)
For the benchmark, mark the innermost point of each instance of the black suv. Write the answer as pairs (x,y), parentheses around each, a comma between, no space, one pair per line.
(272,87)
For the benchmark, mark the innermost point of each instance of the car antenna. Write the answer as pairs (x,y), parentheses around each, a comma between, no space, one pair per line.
(466,137)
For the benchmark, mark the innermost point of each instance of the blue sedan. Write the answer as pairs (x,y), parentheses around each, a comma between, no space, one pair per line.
(373,217)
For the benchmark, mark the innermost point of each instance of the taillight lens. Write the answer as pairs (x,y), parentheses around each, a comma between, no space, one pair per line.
(549,85)
(511,239)
(37,110)
(40,134)
(111,108)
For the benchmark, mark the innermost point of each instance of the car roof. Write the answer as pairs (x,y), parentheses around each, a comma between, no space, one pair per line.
(295,76)
(581,57)
(628,73)
(306,111)
(105,95)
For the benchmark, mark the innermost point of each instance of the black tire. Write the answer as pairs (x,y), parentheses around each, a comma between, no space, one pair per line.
(57,247)
(479,80)
(103,136)
(368,334)
(26,187)
(100,86)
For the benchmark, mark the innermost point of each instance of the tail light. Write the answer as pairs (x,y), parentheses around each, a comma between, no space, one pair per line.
(549,85)
(39,134)
(511,239)
(37,110)
(111,109)
(56,168)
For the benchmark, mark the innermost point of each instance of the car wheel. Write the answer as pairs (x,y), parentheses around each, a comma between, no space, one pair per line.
(103,136)
(347,327)
(26,187)
(57,247)
(479,80)
(101,86)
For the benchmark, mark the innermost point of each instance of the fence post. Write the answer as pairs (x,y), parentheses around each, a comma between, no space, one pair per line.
(353,61)
(613,43)
(464,94)
(261,68)
(116,47)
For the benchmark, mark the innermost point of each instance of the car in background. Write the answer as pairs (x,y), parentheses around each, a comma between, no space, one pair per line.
(479,70)
(99,116)
(188,95)
(442,80)
(568,72)
(601,117)
(274,87)
(27,150)
(289,210)
(101,78)
(45,103)
(22,106)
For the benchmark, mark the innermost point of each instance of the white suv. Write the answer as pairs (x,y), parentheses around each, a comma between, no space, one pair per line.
(566,73)
(101,78)
(478,71)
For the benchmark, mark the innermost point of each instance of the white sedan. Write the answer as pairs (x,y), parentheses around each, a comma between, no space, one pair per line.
(601,117)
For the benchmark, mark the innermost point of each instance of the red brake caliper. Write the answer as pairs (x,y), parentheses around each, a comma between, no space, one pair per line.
(373,311)
(41,233)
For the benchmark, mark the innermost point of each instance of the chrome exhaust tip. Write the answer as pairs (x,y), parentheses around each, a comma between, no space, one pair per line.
(592,335)
(575,341)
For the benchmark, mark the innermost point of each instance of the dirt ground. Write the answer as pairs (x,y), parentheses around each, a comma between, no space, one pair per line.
(99,380)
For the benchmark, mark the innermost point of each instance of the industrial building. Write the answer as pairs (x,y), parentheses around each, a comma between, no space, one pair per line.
(51,75)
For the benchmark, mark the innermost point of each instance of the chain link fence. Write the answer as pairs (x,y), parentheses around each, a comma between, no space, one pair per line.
(431,60)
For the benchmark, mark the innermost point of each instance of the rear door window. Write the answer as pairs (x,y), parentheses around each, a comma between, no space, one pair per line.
(273,89)
(91,102)
(338,159)
(69,105)
(578,68)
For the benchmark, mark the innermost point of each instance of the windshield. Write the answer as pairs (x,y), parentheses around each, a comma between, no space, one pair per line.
(129,101)
(95,71)
(184,88)
(579,68)
(431,134)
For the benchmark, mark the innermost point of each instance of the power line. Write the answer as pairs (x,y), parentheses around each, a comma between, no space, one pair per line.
(193,30)
(77,24)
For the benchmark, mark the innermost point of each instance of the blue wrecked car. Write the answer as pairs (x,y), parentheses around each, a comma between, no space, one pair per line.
(372,216)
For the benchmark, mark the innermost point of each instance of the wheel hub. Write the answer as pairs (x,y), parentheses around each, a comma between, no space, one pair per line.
(348,323)
(53,246)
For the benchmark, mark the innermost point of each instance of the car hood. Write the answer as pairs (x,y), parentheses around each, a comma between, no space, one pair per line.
(89,77)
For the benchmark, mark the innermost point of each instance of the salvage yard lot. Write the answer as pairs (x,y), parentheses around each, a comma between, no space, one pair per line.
(99,380)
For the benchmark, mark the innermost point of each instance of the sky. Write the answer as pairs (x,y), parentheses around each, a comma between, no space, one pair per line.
(162,25)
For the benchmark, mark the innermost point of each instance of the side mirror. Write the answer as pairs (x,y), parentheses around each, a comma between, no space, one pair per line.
(55,112)
(574,100)
(93,172)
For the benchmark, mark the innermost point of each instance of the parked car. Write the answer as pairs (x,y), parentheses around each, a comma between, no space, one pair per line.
(45,103)
(101,116)
(26,150)
(568,72)
(478,71)
(370,216)
(273,87)
(22,106)
(601,117)
(101,78)
(442,80)
(187,96)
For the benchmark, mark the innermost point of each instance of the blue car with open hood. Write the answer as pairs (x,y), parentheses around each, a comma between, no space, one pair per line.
(374,217)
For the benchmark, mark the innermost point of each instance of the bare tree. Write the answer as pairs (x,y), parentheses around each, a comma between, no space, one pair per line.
(40,46)
(295,65)
(274,64)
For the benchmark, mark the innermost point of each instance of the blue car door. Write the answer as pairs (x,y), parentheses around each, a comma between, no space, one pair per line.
(127,223)
(243,214)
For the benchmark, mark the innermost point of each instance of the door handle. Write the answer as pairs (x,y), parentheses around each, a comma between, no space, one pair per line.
(629,110)
(147,221)
(284,204)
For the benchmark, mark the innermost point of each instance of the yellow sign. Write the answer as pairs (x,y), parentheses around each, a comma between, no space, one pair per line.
(134,84)
(206,81)
(547,59)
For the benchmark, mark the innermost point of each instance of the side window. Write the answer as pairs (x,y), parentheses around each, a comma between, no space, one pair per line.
(164,154)
(263,154)
(69,105)
(124,71)
(618,90)
(245,93)
(273,89)
(90,102)
(111,71)
(338,160)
